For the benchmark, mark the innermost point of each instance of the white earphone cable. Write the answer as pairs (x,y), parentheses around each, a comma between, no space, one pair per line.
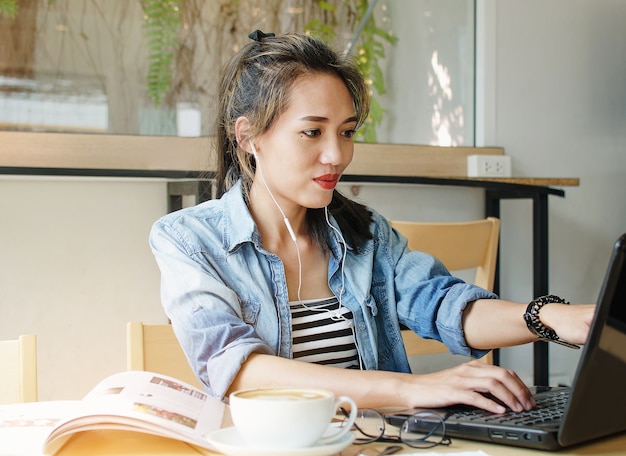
(285,219)
(336,314)
(343,259)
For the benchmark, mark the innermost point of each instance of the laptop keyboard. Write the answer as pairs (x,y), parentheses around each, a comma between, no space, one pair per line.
(550,408)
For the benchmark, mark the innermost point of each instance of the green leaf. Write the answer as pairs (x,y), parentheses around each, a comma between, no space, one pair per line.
(9,8)
(327,6)
(162,22)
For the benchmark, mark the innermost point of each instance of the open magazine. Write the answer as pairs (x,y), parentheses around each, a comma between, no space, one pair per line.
(133,400)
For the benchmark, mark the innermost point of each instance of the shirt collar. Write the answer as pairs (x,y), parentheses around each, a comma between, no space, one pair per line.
(240,226)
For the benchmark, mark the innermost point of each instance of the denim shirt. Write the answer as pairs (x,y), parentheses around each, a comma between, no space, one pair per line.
(226,296)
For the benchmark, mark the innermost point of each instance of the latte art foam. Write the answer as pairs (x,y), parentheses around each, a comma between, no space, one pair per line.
(281,395)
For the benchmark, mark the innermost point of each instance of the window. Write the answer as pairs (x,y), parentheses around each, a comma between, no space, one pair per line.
(82,65)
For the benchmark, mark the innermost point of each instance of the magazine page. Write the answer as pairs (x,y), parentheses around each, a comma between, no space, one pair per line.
(24,427)
(144,402)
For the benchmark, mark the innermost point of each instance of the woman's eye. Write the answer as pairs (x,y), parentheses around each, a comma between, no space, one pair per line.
(349,133)
(312,133)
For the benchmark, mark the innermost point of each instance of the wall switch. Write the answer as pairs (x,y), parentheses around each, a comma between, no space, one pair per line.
(488,166)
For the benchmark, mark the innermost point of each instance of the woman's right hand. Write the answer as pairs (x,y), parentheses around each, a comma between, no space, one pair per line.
(473,383)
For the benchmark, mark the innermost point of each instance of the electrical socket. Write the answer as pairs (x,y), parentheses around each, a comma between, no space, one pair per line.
(489,166)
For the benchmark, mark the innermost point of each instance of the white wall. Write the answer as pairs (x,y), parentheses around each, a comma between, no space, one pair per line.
(75,265)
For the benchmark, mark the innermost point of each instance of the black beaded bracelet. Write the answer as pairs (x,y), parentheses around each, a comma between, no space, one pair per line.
(544,333)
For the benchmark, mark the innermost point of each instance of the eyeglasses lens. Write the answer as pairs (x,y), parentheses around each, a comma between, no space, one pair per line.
(369,426)
(423,430)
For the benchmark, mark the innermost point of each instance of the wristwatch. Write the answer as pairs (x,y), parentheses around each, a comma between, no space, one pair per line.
(544,333)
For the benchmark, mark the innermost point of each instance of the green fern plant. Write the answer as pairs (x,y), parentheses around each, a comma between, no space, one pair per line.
(368,44)
(162,20)
(370,51)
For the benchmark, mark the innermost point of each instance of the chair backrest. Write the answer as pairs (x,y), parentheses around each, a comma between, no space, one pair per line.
(155,348)
(459,246)
(18,358)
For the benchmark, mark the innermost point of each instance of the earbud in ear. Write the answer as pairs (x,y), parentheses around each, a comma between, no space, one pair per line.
(253,148)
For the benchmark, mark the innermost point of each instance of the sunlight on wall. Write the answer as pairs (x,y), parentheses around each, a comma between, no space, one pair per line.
(430,74)
(445,116)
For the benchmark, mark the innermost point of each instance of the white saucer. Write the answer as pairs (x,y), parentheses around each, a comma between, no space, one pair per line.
(228,441)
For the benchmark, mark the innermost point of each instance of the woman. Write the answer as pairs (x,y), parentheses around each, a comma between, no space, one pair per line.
(283,281)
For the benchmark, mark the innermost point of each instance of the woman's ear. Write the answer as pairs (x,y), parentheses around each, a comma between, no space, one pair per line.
(243,133)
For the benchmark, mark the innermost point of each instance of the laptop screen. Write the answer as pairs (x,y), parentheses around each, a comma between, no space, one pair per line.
(617,312)
(613,337)
(597,401)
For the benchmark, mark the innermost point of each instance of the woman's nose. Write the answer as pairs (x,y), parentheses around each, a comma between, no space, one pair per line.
(334,152)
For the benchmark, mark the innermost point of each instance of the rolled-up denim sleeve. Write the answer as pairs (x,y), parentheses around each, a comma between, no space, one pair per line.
(206,315)
(429,300)
(449,317)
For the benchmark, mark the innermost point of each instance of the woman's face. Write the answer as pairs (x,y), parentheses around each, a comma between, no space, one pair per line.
(306,150)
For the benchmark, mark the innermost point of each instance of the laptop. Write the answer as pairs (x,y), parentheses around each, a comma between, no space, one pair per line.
(593,406)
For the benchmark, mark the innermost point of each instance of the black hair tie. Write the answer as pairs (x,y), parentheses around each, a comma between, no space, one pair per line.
(259,36)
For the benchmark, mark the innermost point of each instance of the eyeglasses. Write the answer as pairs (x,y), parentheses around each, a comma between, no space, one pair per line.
(421,430)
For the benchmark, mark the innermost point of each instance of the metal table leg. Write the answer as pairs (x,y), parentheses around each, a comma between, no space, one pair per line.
(540,281)
(540,266)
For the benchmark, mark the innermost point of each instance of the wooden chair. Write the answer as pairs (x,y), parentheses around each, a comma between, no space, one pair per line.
(155,348)
(18,358)
(459,246)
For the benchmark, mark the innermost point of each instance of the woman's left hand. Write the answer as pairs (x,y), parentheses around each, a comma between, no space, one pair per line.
(570,322)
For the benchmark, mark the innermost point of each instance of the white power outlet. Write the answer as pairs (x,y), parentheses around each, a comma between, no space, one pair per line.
(489,166)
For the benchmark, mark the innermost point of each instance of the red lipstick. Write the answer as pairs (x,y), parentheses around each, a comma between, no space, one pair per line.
(327,181)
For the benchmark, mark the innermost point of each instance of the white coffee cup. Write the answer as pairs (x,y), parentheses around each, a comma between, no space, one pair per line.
(289,418)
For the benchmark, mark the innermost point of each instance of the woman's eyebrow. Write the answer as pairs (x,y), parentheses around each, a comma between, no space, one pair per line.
(325,119)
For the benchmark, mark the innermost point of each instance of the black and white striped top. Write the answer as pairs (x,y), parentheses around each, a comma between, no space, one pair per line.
(322,333)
